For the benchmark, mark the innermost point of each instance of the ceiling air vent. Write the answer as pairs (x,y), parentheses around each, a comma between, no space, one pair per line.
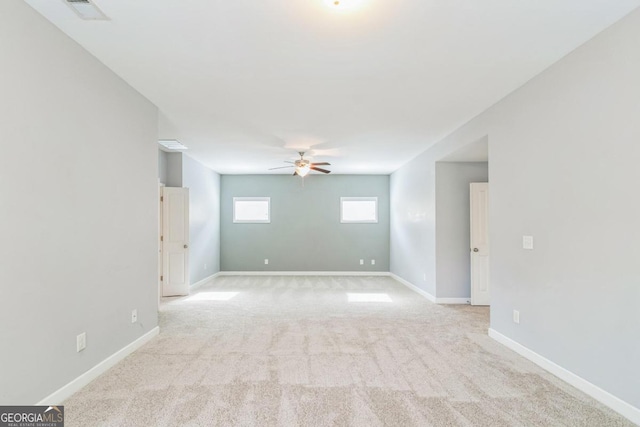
(86,9)
(172,144)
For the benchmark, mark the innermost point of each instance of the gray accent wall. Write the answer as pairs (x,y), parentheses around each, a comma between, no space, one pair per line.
(453,272)
(563,162)
(204,218)
(305,233)
(79,209)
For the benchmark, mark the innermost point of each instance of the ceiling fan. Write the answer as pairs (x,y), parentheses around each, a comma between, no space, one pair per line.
(303,167)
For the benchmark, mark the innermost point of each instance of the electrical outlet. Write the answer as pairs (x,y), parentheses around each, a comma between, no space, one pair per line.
(424,276)
(527,242)
(205,266)
(516,316)
(81,342)
(361,262)
(373,262)
(266,261)
(134,315)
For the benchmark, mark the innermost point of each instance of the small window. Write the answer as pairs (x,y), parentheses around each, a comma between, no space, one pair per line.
(358,209)
(252,209)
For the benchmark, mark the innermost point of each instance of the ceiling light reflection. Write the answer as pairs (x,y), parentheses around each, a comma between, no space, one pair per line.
(368,298)
(212,296)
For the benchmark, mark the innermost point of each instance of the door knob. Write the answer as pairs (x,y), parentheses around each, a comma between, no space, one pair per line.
(186,246)
(474,249)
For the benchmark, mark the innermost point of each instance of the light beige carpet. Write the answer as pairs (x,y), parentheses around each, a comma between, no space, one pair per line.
(293,351)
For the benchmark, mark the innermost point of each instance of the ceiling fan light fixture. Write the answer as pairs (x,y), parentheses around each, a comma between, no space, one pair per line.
(303,170)
(345,5)
(303,166)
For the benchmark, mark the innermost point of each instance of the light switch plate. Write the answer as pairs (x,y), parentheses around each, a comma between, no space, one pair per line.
(81,342)
(527,242)
(516,316)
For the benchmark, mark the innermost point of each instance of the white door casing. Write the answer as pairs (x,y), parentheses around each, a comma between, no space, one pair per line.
(160,257)
(175,241)
(479,222)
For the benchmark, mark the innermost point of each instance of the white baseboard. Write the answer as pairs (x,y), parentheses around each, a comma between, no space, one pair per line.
(620,406)
(60,395)
(204,281)
(453,300)
(414,288)
(427,295)
(304,273)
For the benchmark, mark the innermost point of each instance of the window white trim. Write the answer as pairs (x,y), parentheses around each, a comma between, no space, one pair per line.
(358,199)
(252,199)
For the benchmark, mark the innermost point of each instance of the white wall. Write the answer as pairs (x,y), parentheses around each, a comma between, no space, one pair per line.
(163,167)
(78,209)
(413,223)
(564,153)
(204,218)
(174,172)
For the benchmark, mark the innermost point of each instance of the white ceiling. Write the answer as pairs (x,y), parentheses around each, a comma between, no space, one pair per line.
(247,83)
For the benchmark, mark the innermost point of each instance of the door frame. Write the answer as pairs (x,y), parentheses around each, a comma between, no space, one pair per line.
(160,249)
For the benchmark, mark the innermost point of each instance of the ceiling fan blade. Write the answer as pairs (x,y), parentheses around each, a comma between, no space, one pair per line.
(320,170)
(281,167)
(288,161)
(321,164)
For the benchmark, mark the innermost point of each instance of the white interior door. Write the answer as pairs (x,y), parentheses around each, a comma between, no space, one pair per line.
(175,241)
(479,211)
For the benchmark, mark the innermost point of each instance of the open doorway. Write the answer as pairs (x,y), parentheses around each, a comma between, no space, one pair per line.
(454,175)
